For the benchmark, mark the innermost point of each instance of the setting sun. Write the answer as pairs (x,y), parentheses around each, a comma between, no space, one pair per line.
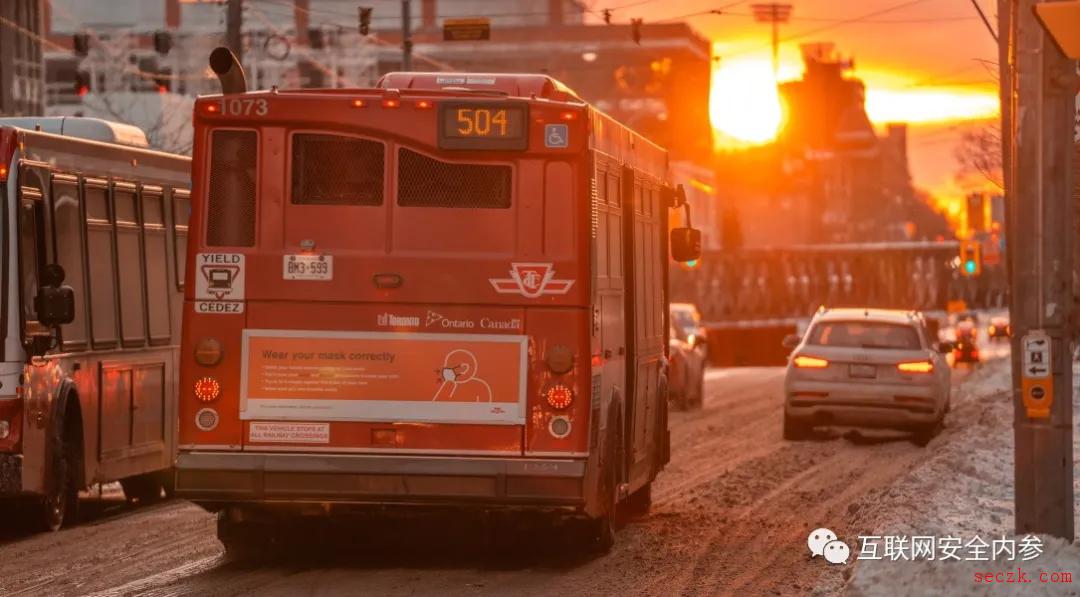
(745,109)
(743,103)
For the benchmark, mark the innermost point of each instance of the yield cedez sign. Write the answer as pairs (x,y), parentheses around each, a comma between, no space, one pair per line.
(1037,385)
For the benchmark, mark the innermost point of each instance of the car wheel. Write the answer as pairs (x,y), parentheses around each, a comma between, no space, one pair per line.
(795,430)
(699,398)
(924,436)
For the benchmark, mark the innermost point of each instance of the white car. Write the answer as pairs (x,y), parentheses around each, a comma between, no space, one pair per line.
(866,368)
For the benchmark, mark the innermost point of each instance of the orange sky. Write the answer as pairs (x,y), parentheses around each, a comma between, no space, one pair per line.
(926,61)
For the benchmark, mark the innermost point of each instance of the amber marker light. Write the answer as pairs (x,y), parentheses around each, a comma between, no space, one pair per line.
(424,104)
(390,103)
(358,103)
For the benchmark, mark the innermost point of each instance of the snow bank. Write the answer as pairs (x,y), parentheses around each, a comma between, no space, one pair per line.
(965,489)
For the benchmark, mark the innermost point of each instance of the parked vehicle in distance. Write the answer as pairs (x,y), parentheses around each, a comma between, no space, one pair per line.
(686,370)
(999,328)
(966,347)
(874,368)
(96,229)
(687,318)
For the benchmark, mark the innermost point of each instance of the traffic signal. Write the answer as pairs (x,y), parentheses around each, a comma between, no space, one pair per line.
(80,42)
(365,20)
(635,30)
(690,265)
(82,82)
(315,39)
(970,258)
(162,42)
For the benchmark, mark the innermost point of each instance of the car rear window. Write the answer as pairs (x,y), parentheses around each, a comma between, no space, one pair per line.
(864,334)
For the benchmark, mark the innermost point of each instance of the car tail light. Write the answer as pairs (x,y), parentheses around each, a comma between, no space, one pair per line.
(391,103)
(424,104)
(207,389)
(916,367)
(208,352)
(805,362)
(559,396)
(358,103)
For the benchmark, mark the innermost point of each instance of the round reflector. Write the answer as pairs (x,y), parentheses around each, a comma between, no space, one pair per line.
(206,419)
(559,427)
(207,389)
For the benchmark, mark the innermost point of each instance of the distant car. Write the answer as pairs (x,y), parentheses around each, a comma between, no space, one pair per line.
(873,368)
(686,372)
(687,318)
(966,347)
(999,328)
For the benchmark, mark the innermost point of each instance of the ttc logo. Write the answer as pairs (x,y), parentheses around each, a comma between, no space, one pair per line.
(531,280)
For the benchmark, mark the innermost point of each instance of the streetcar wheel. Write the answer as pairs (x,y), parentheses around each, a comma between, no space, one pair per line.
(639,502)
(60,504)
(142,489)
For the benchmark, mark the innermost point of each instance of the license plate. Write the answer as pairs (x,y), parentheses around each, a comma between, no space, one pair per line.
(308,267)
(866,371)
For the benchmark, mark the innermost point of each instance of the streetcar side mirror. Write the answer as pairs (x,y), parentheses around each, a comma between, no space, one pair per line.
(685,244)
(55,305)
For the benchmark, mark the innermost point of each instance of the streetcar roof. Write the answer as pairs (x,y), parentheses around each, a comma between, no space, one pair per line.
(94,129)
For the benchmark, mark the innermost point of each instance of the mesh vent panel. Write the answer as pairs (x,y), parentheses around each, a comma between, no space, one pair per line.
(231,200)
(426,182)
(336,170)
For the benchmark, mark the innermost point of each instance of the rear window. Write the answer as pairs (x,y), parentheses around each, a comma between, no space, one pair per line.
(231,197)
(336,170)
(864,334)
(427,182)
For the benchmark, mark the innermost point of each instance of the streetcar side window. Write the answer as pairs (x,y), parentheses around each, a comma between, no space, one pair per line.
(230,220)
(181,209)
(157,279)
(129,267)
(336,170)
(102,271)
(67,227)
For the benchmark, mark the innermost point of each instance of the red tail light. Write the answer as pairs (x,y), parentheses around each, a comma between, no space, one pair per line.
(207,389)
(916,367)
(805,362)
(559,396)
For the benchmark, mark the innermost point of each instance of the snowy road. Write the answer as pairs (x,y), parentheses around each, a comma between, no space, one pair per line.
(731,515)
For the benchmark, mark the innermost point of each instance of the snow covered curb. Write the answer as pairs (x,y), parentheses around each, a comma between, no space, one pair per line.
(965,489)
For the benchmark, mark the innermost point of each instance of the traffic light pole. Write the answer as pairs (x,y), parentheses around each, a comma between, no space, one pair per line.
(1038,116)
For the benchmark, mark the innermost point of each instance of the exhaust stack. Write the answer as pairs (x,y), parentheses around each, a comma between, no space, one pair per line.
(228,70)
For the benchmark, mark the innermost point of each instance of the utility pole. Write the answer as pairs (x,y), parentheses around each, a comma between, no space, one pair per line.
(774,13)
(406,36)
(234,18)
(1039,86)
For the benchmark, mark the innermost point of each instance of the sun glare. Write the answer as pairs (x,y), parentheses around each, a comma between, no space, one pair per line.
(744,104)
(919,106)
(745,109)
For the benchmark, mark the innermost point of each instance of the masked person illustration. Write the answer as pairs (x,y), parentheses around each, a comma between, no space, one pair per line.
(458,381)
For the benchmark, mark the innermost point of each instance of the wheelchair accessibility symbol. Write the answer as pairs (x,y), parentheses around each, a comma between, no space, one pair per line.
(556,135)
